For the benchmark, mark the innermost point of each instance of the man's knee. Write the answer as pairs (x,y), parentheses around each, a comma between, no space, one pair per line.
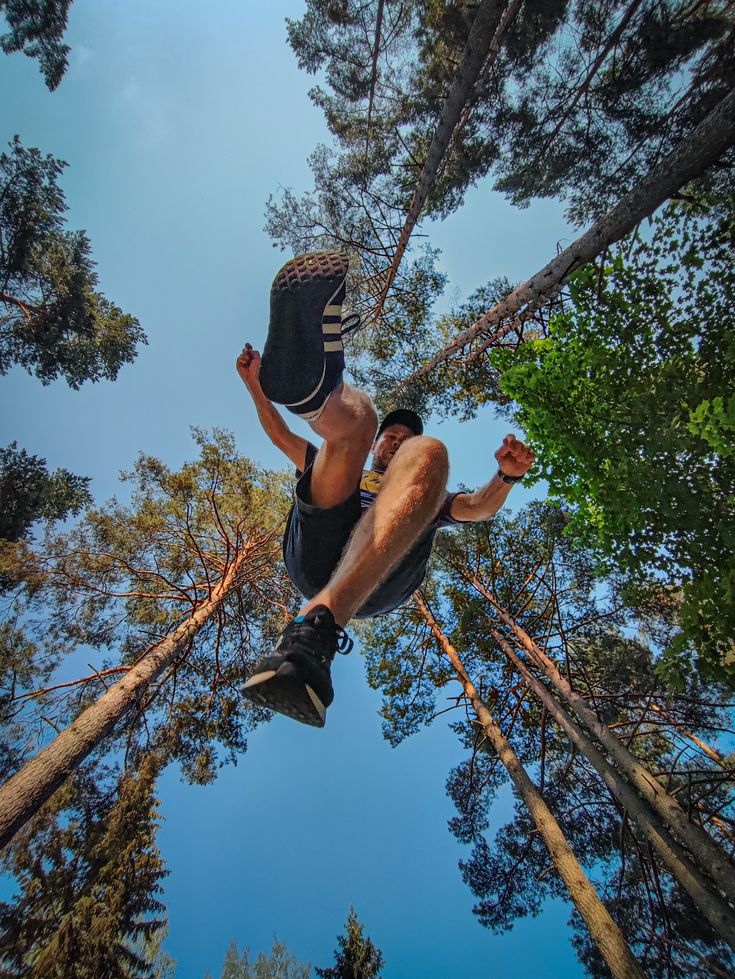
(350,417)
(428,455)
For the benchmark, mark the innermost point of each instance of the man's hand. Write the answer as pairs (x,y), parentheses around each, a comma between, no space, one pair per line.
(514,457)
(248,366)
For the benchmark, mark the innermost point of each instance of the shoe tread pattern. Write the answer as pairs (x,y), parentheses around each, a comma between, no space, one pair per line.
(294,360)
(286,697)
(314,267)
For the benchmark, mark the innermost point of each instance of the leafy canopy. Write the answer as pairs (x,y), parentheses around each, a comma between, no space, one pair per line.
(54,321)
(29,492)
(630,403)
(36,27)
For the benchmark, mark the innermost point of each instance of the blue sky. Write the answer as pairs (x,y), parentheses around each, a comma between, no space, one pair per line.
(177,121)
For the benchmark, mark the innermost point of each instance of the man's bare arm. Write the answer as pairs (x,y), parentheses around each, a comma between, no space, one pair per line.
(292,445)
(514,459)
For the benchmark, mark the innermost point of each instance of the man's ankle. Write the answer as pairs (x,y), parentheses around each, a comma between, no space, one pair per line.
(327,603)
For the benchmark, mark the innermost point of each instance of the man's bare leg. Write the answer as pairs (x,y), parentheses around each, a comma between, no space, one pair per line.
(347,424)
(410,496)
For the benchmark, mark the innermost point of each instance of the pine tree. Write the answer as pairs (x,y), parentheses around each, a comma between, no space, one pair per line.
(180,589)
(89,874)
(29,492)
(54,320)
(356,957)
(279,962)
(547,584)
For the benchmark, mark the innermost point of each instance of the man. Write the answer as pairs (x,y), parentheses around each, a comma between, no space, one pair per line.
(356,543)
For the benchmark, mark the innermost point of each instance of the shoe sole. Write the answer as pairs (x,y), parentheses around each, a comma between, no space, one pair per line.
(305,326)
(286,695)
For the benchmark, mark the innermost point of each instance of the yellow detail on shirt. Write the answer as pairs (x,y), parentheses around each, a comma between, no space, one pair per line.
(370,482)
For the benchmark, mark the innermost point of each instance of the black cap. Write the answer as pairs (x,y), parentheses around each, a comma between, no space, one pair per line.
(402,416)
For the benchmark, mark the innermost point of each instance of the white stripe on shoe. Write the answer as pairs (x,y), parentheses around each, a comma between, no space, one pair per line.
(330,346)
(258,678)
(320,708)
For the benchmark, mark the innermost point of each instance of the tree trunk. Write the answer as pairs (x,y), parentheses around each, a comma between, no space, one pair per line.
(703,848)
(605,933)
(710,903)
(24,794)
(474,58)
(694,154)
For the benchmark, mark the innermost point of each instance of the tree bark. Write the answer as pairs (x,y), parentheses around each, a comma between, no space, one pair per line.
(24,794)
(703,848)
(694,154)
(605,933)
(474,58)
(710,903)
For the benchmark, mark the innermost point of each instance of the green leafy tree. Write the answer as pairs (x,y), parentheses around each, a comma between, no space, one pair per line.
(279,962)
(36,27)
(53,319)
(357,957)
(89,874)
(630,402)
(180,591)
(29,492)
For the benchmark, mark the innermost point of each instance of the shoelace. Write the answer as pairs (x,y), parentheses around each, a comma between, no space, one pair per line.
(350,323)
(344,643)
(333,634)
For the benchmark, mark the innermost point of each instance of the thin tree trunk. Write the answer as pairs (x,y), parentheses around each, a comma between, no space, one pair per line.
(694,154)
(23,795)
(703,848)
(374,74)
(474,58)
(605,933)
(713,755)
(710,903)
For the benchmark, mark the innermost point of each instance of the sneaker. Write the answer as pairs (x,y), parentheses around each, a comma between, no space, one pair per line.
(303,358)
(296,680)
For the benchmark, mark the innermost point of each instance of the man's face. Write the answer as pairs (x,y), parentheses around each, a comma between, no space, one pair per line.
(388,443)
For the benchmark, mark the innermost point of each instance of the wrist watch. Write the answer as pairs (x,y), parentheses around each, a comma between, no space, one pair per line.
(509,479)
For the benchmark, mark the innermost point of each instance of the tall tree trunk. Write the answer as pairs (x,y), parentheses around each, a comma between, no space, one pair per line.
(605,933)
(710,903)
(703,848)
(24,794)
(474,58)
(694,154)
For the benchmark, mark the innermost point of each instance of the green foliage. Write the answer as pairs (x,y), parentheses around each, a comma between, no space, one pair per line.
(29,492)
(628,405)
(89,875)
(357,957)
(279,962)
(53,320)
(37,29)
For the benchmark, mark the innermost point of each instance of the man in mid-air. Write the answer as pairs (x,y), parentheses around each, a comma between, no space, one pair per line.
(357,541)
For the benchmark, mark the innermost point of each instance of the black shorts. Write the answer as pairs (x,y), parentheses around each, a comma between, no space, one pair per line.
(315,539)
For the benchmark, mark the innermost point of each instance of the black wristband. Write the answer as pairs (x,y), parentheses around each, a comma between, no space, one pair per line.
(509,479)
